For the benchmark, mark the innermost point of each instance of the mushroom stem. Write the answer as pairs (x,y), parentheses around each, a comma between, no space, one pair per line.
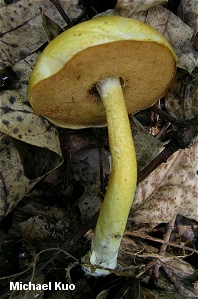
(122,184)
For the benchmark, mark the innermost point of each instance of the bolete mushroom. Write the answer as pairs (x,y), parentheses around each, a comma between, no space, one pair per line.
(96,73)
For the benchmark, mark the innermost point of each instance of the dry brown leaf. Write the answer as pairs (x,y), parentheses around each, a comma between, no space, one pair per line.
(21,167)
(128,7)
(146,146)
(90,201)
(188,59)
(51,28)
(188,12)
(172,27)
(36,229)
(14,185)
(20,12)
(17,117)
(84,165)
(171,189)
(191,99)
(178,34)
(162,294)
(182,98)
(83,149)
(21,27)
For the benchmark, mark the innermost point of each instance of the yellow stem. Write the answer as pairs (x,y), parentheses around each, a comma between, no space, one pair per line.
(122,184)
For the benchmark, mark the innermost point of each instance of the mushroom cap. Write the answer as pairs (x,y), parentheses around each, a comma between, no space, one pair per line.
(62,85)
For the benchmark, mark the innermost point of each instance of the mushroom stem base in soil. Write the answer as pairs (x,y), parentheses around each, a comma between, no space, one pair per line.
(122,184)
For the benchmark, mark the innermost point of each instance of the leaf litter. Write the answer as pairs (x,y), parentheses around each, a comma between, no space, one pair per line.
(21,27)
(33,153)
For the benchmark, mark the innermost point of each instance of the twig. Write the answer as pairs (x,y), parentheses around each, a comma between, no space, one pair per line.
(167,243)
(165,115)
(148,266)
(167,235)
(164,245)
(60,9)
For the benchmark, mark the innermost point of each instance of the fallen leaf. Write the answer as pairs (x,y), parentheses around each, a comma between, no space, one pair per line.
(90,202)
(14,184)
(84,165)
(171,26)
(36,229)
(182,98)
(17,118)
(152,294)
(128,7)
(191,99)
(179,273)
(178,34)
(147,147)
(51,28)
(188,12)
(103,294)
(171,189)
(189,58)
(21,27)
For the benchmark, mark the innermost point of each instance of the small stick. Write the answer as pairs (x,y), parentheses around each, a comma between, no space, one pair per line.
(167,235)
(167,243)
(60,9)
(164,245)
(165,115)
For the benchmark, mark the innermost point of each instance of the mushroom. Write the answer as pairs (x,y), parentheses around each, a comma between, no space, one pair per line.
(93,74)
